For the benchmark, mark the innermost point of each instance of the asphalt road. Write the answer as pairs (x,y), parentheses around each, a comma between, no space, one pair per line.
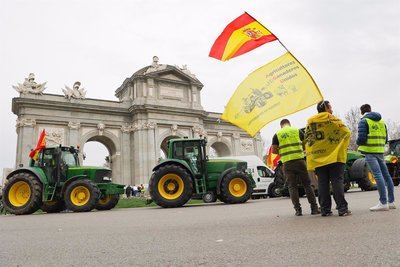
(258,233)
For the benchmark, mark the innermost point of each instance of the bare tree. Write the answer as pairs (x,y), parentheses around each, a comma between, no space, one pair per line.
(352,117)
(393,129)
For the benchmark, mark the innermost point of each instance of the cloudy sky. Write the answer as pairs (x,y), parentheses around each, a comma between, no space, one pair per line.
(350,47)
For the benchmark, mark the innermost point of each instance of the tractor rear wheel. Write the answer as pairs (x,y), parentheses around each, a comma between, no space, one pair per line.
(81,196)
(171,186)
(53,206)
(235,188)
(107,202)
(359,171)
(22,194)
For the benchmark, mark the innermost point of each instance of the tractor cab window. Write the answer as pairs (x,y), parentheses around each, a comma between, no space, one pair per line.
(68,158)
(190,152)
(264,172)
(48,158)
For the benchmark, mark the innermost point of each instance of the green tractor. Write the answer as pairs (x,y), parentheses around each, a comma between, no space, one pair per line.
(187,172)
(56,182)
(392,155)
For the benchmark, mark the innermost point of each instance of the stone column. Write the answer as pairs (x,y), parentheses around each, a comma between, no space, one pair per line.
(126,177)
(151,150)
(74,133)
(236,144)
(25,141)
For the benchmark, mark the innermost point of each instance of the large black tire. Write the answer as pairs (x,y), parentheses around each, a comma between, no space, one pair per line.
(359,171)
(171,186)
(22,194)
(53,206)
(81,196)
(274,190)
(107,202)
(235,187)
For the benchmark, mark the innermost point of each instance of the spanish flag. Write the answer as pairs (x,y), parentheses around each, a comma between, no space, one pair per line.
(34,154)
(240,36)
(272,159)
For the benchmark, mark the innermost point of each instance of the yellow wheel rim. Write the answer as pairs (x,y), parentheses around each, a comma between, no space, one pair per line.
(105,199)
(237,187)
(371,178)
(80,195)
(170,186)
(19,194)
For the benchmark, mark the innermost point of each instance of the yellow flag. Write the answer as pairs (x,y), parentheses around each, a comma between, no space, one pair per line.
(274,90)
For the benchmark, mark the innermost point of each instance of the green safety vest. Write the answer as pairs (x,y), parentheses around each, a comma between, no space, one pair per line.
(376,138)
(290,146)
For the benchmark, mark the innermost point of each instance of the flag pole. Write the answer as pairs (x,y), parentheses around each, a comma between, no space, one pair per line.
(312,79)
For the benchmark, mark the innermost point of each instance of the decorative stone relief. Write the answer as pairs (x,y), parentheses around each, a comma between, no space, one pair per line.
(246,145)
(149,125)
(54,136)
(236,135)
(29,86)
(101,127)
(199,130)
(174,129)
(74,125)
(76,92)
(155,66)
(219,136)
(21,122)
(126,128)
(136,127)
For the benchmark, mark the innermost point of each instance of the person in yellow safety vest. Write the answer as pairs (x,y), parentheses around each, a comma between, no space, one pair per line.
(372,137)
(327,140)
(287,142)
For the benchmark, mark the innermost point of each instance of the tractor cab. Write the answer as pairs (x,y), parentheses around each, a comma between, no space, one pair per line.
(55,161)
(192,151)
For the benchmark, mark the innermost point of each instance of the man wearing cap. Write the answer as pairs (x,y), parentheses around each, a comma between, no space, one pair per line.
(287,142)
(372,137)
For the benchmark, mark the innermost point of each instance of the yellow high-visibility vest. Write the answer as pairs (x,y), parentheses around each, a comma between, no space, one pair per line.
(290,147)
(376,138)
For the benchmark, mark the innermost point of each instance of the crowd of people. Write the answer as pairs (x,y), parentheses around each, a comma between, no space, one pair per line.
(325,144)
(135,191)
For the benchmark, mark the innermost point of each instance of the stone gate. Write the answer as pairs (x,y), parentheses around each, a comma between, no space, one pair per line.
(155,104)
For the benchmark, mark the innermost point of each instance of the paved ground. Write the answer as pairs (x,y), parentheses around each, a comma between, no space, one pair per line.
(261,232)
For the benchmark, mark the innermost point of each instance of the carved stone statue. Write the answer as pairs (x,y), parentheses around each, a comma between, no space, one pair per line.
(76,92)
(155,66)
(29,86)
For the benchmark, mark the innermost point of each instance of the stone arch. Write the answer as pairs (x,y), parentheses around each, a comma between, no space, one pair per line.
(222,147)
(111,142)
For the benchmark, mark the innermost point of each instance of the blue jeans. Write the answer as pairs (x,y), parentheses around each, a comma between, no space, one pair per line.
(378,167)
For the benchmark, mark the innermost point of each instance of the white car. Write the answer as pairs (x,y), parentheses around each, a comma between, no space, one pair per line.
(262,175)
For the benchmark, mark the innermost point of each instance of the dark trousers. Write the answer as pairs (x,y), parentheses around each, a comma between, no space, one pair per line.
(295,170)
(331,173)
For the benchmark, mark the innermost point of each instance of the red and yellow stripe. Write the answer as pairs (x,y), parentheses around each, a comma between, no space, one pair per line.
(240,36)
(34,154)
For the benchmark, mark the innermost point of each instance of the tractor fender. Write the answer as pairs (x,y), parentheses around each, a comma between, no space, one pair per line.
(182,163)
(72,179)
(35,171)
(221,177)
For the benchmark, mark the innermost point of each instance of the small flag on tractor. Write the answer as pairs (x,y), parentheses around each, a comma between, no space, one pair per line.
(240,36)
(272,159)
(34,154)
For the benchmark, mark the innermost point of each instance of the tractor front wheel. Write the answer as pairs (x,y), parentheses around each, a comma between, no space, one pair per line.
(107,202)
(81,196)
(235,188)
(53,206)
(171,186)
(22,194)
